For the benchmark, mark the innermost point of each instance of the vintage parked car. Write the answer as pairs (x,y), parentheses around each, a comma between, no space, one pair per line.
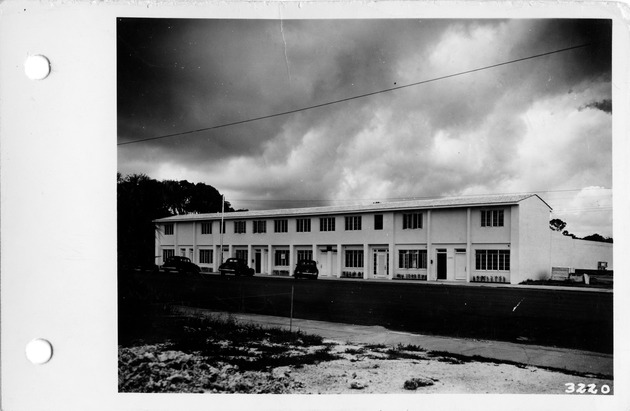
(306,269)
(236,266)
(181,265)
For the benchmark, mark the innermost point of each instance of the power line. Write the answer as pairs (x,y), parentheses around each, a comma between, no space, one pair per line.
(354,97)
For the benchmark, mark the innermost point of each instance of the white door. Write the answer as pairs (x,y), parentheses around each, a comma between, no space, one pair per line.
(381,262)
(460,265)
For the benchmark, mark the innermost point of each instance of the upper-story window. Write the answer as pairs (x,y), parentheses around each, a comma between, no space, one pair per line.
(239,227)
(327,224)
(168,229)
(492,218)
(412,221)
(260,226)
(353,223)
(378,221)
(281,226)
(303,225)
(206,228)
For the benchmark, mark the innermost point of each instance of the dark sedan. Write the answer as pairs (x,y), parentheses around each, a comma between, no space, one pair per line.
(306,269)
(181,265)
(236,266)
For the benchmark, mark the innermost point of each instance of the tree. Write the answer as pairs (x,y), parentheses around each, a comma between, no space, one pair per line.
(141,199)
(599,238)
(557,225)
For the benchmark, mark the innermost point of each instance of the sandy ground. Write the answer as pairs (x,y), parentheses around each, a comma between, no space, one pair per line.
(362,373)
(360,369)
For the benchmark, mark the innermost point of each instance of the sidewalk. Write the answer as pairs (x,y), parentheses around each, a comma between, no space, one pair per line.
(584,362)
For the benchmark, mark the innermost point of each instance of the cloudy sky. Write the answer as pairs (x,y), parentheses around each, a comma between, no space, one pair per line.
(541,125)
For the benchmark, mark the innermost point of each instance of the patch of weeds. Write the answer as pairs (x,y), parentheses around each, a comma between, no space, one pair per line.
(297,361)
(375,346)
(395,354)
(408,351)
(410,347)
(478,358)
(450,358)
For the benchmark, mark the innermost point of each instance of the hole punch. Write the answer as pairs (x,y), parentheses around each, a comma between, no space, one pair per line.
(37,67)
(39,351)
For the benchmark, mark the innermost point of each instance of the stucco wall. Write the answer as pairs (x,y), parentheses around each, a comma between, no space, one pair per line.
(567,252)
(448,226)
(534,241)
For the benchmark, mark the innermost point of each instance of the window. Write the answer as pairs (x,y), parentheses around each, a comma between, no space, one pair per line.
(412,259)
(492,260)
(354,258)
(282,258)
(205,256)
(281,226)
(168,229)
(239,227)
(260,226)
(242,254)
(353,223)
(303,225)
(412,221)
(206,228)
(305,255)
(327,224)
(167,253)
(492,218)
(378,222)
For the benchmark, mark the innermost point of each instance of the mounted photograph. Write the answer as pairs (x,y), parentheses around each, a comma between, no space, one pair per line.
(353,206)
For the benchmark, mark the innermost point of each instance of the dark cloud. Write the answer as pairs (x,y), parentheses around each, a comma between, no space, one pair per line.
(476,132)
(603,105)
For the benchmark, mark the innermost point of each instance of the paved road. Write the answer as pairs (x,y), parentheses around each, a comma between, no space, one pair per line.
(569,318)
(583,362)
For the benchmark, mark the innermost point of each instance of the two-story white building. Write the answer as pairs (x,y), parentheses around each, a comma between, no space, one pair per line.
(494,238)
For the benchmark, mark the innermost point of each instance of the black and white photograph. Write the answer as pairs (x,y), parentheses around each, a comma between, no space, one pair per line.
(353,206)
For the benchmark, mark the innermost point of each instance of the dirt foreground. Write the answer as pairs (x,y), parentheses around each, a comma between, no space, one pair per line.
(344,369)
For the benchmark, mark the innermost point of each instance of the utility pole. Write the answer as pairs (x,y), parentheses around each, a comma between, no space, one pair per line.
(222,225)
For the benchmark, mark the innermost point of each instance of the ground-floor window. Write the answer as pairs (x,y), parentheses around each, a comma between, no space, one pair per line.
(281,258)
(242,254)
(205,256)
(412,259)
(354,258)
(492,260)
(305,255)
(166,253)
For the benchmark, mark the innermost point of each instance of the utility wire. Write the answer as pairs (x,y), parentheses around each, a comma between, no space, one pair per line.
(355,97)
(417,197)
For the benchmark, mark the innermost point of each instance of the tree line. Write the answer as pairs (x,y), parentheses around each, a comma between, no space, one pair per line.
(558,225)
(141,199)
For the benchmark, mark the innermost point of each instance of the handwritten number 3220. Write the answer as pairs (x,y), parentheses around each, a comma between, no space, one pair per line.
(584,388)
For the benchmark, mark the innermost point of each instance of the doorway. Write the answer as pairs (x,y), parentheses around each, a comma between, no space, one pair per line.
(381,262)
(258,261)
(441,264)
(460,264)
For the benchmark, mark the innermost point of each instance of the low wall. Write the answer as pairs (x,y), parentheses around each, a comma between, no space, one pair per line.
(579,254)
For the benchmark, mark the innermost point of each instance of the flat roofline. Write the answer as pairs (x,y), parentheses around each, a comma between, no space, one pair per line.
(419,205)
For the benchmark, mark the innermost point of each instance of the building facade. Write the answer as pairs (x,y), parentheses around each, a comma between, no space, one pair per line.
(500,238)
